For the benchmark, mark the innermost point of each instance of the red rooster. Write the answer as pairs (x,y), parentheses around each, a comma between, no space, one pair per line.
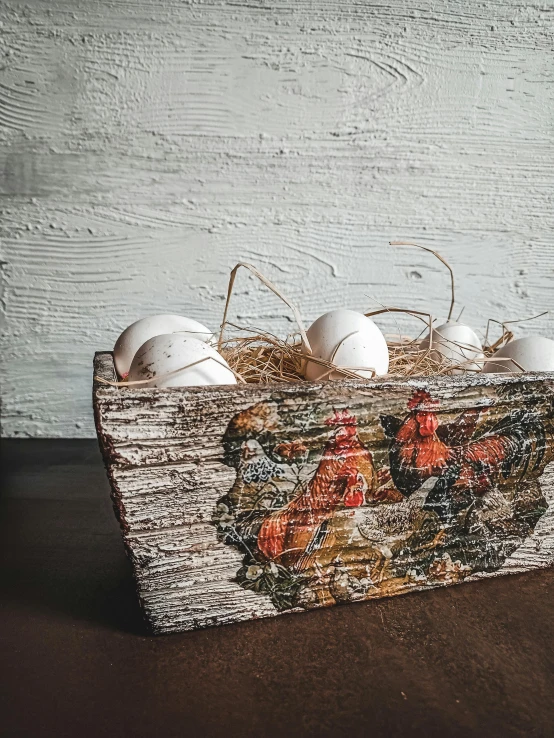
(466,466)
(345,476)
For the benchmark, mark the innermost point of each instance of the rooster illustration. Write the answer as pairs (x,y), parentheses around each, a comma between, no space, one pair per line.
(344,478)
(467,464)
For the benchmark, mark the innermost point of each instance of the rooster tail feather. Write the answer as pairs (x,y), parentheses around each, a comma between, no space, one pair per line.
(391,425)
(527,435)
(441,499)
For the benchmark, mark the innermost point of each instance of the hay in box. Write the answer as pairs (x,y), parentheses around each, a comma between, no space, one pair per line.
(245,501)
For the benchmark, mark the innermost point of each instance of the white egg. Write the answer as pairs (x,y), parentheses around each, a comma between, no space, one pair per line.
(138,333)
(348,339)
(170,352)
(458,344)
(532,353)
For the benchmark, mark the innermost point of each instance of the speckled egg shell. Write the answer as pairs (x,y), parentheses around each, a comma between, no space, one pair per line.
(160,356)
(138,333)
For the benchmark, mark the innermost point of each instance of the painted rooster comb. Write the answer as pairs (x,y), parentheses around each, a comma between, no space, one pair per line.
(422,400)
(341,417)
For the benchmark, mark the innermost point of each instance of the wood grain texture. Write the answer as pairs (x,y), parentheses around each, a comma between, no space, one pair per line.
(148,147)
(169,469)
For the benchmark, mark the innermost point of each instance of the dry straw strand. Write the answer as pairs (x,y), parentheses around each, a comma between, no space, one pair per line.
(274,289)
(442,260)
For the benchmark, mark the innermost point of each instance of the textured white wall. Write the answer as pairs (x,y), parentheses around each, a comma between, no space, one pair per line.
(146,147)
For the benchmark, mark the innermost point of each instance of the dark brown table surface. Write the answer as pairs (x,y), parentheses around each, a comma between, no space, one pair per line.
(76,660)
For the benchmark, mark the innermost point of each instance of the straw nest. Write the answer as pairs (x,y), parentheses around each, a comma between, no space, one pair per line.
(260,357)
(256,356)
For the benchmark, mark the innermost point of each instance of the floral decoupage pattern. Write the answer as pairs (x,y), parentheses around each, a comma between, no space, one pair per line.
(335,504)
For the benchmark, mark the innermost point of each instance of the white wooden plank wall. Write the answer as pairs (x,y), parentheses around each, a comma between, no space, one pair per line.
(146,147)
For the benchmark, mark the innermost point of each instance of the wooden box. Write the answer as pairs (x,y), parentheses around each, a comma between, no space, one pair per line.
(247,501)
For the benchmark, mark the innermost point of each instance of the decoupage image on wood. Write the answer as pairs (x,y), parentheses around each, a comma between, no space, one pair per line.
(333,504)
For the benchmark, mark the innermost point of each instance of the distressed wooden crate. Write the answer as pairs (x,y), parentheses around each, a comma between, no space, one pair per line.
(249,501)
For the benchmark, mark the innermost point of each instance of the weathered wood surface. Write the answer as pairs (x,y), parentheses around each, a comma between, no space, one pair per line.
(169,455)
(147,147)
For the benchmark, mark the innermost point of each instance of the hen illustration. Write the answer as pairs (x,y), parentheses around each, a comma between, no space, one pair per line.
(467,464)
(344,478)
(259,481)
(258,477)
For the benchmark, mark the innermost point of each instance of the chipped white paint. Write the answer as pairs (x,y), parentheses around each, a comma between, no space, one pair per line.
(147,147)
